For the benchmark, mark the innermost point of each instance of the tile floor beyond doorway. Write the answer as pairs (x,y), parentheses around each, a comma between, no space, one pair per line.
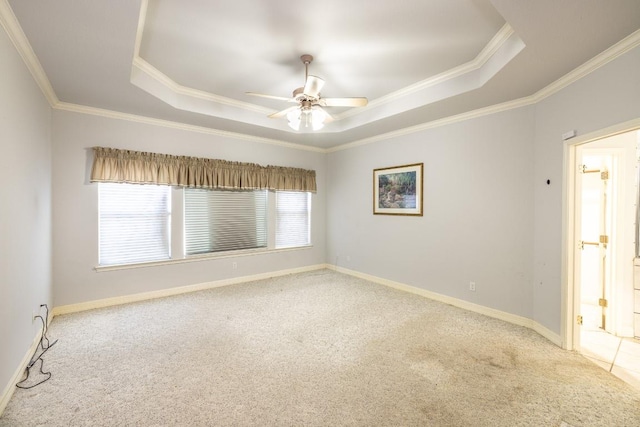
(620,356)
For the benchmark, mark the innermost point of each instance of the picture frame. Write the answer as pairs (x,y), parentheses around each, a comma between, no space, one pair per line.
(398,190)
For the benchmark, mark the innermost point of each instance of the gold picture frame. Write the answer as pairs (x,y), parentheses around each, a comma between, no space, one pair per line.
(398,190)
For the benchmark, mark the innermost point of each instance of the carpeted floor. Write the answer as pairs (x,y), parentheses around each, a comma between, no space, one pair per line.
(312,349)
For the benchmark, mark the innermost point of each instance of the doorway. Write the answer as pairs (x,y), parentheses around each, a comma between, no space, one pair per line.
(602,232)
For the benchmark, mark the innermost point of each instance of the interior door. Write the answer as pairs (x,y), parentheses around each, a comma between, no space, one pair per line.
(593,245)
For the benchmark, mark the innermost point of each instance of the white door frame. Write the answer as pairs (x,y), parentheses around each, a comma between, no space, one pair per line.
(569,333)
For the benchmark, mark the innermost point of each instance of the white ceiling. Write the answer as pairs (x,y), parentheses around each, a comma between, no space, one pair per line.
(416,61)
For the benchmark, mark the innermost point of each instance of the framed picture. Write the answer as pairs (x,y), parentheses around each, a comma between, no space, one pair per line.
(398,190)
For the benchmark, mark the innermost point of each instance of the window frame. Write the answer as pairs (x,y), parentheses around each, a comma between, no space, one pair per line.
(177,232)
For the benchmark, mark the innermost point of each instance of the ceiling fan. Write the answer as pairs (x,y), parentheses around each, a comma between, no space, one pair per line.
(309,112)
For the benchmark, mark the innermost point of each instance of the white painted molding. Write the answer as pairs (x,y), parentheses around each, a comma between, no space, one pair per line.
(10,388)
(466,305)
(623,46)
(152,72)
(152,80)
(481,59)
(142,20)
(13,29)
(144,296)
(492,109)
(65,106)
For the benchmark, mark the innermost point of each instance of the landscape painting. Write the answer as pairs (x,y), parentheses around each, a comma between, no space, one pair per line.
(398,190)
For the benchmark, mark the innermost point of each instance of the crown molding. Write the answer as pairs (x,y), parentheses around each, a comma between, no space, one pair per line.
(142,20)
(75,108)
(13,29)
(481,59)
(160,77)
(623,46)
(485,111)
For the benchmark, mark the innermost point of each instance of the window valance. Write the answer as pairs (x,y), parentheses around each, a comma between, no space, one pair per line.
(138,167)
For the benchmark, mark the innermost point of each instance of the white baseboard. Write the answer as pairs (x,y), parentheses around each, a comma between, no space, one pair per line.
(108,302)
(125,299)
(11,386)
(487,311)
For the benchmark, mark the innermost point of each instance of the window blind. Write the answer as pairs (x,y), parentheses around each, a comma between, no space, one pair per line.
(293,213)
(134,223)
(224,220)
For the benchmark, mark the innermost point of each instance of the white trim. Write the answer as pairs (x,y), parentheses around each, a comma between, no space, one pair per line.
(144,296)
(148,69)
(492,109)
(65,106)
(10,388)
(568,303)
(481,59)
(17,36)
(142,20)
(466,305)
(13,29)
(618,49)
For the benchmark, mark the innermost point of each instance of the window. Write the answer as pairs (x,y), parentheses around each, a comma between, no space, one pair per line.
(293,213)
(224,220)
(134,223)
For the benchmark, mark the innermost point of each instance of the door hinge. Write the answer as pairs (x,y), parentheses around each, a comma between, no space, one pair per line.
(604,175)
(602,302)
(579,320)
(604,239)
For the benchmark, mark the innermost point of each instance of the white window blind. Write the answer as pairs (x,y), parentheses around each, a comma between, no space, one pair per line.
(293,214)
(134,223)
(224,220)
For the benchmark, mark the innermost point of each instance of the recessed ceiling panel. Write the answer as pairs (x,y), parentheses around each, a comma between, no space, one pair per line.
(361,49)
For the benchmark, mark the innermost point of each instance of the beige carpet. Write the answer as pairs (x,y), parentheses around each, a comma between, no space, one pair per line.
(317,348)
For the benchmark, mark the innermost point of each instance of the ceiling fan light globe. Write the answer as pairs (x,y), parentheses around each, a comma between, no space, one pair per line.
(293,119)
(318,116)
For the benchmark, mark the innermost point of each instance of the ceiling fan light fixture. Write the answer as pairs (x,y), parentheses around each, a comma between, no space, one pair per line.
(310,113)
(307,118)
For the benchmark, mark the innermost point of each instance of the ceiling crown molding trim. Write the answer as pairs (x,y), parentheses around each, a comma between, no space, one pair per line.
(142,20)
(144,67)
(623,46)
(498,52)
(13,29)
(481,59)
(83,109)
(485,111)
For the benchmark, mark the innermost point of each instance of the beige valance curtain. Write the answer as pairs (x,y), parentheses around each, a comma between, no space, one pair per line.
(138,167)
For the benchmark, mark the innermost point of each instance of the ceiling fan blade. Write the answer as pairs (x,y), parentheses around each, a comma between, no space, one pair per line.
(343,102)
(280,98)
(283,112)
(313,86)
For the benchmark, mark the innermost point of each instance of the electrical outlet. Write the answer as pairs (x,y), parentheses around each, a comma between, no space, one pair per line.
(472,286)
(234,265)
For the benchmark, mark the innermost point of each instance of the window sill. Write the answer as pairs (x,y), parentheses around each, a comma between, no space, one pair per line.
(198,258)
